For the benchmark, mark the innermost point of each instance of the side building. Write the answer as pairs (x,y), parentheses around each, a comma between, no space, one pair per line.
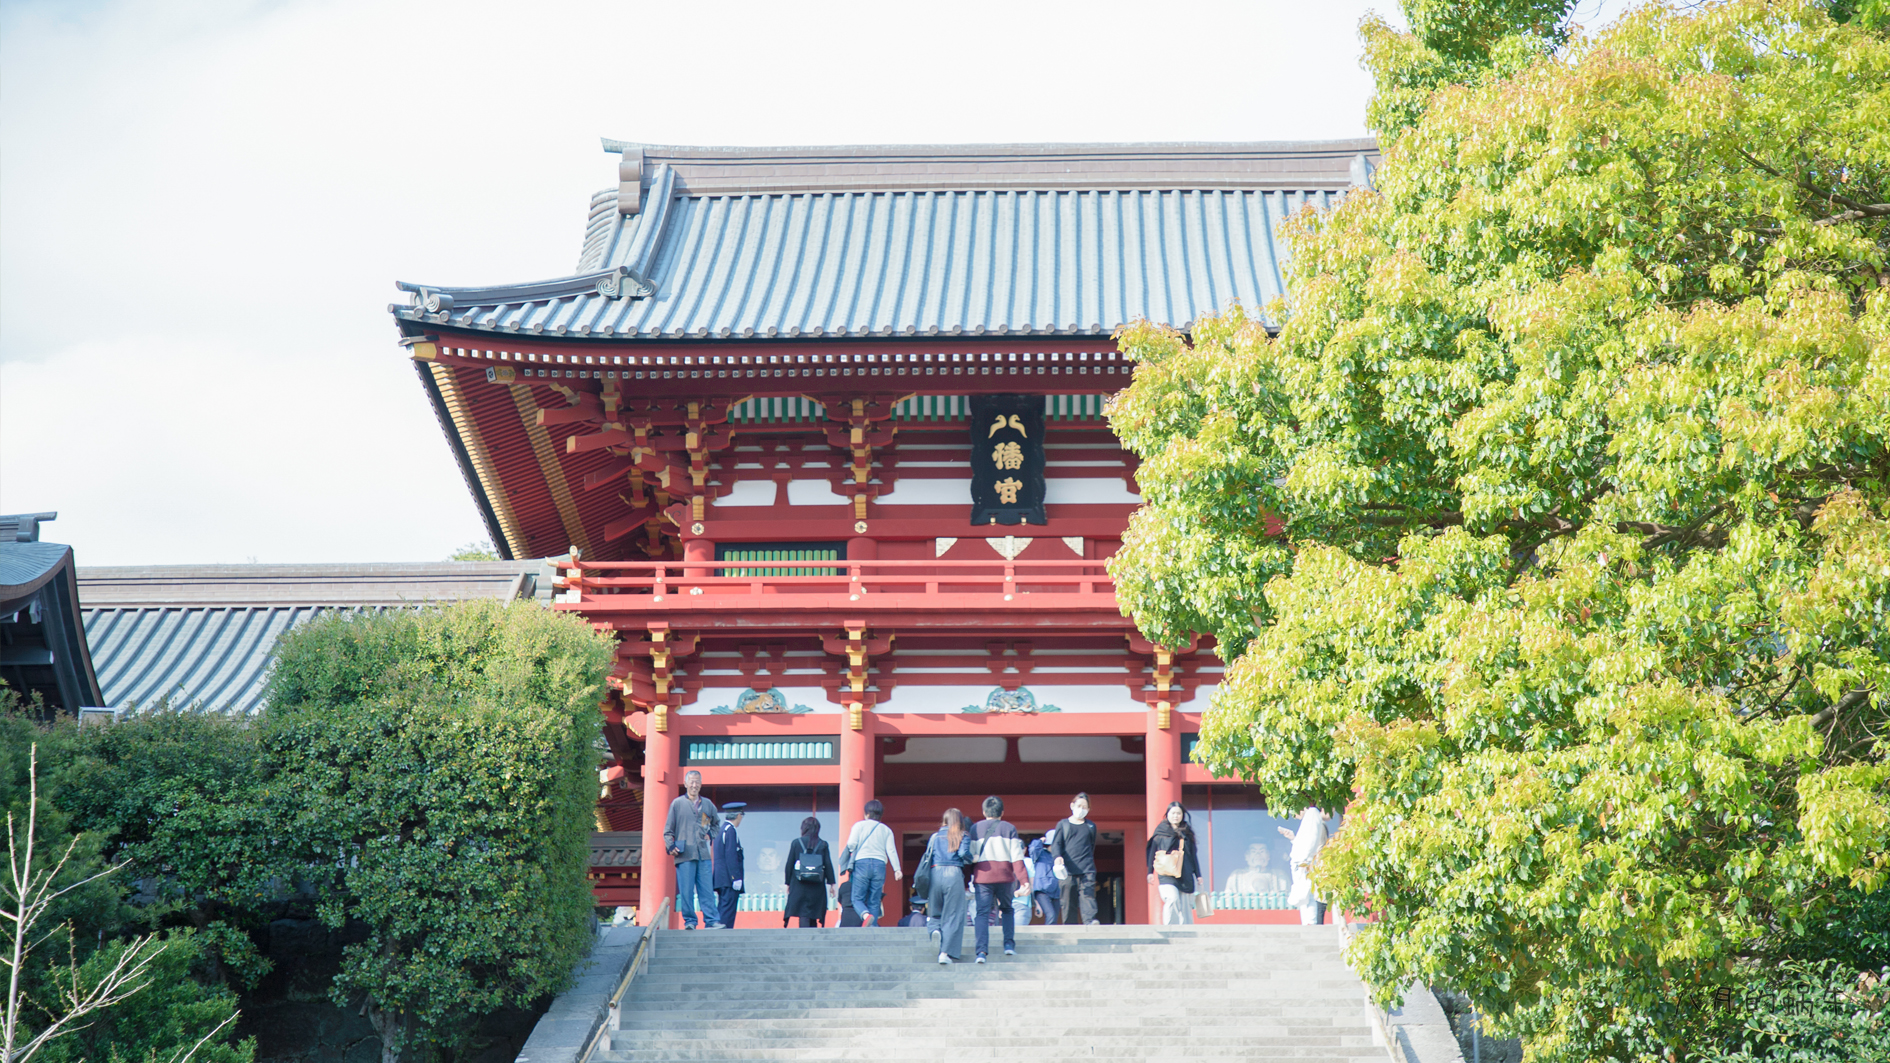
(204,635)
(822,432)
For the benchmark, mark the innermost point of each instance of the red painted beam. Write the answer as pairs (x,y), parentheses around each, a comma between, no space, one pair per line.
(1091,521)
(735,621)
(769,774)
(786,725)
(575,350)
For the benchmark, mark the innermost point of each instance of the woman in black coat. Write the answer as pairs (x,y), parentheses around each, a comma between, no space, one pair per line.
(1175,832)
(807,897)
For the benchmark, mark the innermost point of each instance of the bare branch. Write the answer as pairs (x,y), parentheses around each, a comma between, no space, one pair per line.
(126,978)
(33,890)
(185,1058)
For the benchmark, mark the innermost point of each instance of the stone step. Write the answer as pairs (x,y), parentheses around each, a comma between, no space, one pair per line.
(886,1014)
(766,1035)
(940,1048)
(949,978)
(1068,1054)
(1274,994)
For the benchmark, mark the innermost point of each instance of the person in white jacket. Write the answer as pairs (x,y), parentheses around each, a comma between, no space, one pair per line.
(1307,841)
(874,850)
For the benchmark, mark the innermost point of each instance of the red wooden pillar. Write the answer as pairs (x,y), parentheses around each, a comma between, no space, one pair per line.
(658,871)
(1135,893)
(1162,772)
(856,773)
(698,550)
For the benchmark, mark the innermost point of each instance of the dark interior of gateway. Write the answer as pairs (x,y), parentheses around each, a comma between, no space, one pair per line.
(1243,848)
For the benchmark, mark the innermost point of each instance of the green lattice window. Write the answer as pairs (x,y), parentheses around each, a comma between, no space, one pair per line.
(780,552)
(811,749)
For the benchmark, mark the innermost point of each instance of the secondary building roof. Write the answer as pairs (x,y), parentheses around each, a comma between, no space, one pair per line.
(1017,240)
(203,635)
(42,649)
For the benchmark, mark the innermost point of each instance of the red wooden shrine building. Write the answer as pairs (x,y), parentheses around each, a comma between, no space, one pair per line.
(822,431)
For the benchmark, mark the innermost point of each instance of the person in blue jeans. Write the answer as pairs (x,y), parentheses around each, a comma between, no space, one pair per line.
(688,837)
(951,862)
(875,850)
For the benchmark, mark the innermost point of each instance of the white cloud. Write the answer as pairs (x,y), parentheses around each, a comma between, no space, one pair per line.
(206,204)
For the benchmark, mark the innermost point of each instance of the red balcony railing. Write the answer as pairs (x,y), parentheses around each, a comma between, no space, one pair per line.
(602,587)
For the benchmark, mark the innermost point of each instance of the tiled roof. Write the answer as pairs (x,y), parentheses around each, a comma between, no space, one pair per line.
(706,243)
(42,649)
(204,635)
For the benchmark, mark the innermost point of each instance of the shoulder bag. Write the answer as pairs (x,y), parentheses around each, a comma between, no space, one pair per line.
(922,875)
(848,854)
(1168,864)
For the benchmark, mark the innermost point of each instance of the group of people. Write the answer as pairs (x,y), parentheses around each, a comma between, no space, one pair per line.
(983,864)
(705,844)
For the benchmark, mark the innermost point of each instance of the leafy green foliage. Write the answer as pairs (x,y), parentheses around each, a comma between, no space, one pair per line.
(1552,533)
(89,909)
(162,1021)
(178,793)
(1452,43)
(1820,1012)
(438,767)
(474,552)
(89,927)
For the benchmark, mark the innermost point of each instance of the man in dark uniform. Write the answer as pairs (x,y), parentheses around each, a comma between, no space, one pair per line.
(728,863)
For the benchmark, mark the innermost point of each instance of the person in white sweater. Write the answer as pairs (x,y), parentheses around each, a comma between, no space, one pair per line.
(874,850)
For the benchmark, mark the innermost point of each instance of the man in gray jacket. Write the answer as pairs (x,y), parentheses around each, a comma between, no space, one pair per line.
(687,837)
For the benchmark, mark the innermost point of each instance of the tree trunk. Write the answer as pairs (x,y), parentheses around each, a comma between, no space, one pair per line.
(395,1029)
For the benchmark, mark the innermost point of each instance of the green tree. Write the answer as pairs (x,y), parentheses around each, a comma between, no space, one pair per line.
(440,770)
(176,1011)
(474,552)
(179,794)
(1552,533)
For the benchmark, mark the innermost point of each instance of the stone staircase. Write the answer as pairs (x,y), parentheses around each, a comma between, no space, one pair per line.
(1112,992)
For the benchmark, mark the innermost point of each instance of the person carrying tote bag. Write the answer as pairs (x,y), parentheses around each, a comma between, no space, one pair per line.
(1173,866)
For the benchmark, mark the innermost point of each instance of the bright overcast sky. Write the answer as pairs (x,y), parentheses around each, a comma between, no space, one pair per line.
(204,205)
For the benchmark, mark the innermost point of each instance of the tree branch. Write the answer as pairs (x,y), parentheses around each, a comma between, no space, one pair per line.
(1857,211)
(1661,534)
(1874,210)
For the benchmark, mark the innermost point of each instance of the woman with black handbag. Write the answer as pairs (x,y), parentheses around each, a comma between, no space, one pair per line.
(809,877)
(1172,865)
(949,852)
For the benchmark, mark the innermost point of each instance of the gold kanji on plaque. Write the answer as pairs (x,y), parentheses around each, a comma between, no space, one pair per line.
(1007,489)
(1008,456)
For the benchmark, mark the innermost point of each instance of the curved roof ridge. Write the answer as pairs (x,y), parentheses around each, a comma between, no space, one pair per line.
(1282,165)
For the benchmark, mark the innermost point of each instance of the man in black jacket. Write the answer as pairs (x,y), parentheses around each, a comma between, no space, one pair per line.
(728,863)
(1075,852)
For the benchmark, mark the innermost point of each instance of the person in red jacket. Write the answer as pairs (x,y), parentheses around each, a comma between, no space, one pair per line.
(997,869)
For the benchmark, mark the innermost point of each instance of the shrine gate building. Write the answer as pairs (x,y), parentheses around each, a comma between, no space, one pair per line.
(822,432)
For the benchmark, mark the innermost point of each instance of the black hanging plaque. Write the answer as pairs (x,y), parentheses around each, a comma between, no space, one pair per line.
(1007,459)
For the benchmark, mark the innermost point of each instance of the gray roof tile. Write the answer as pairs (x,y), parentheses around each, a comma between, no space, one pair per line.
(203,635)
(840,242)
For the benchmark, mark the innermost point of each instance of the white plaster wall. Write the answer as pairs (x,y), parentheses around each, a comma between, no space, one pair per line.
(749,493)
(812,493)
